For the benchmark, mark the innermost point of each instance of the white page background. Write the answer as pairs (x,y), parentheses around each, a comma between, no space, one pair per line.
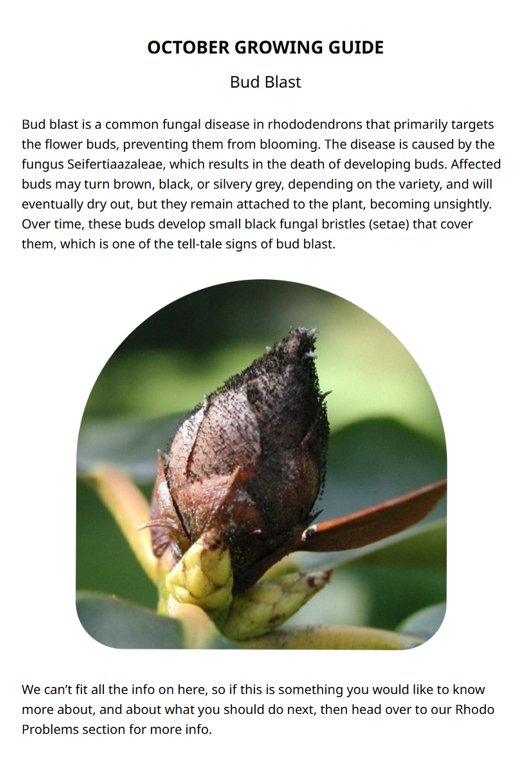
(451,298)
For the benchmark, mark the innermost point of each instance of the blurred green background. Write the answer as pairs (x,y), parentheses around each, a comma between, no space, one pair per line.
(386,436)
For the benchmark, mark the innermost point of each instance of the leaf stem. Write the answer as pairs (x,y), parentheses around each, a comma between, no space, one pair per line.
(130,510)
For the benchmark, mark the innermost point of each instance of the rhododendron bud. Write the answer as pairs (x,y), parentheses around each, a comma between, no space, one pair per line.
(248,464)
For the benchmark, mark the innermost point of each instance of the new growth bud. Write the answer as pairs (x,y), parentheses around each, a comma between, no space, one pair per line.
(203,577)
(270,603)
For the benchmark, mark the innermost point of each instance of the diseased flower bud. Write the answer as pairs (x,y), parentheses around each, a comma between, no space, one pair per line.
(247,466)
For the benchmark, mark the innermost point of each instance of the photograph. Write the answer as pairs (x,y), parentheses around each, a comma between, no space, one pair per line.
(261,465)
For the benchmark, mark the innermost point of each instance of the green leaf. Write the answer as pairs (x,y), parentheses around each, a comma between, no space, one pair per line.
(129,444)
(374,460)
(121,625)
(380,585)
(333,638)
(421,545)
(424,623)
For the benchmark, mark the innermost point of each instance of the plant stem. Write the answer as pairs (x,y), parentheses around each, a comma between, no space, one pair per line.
(130,510)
